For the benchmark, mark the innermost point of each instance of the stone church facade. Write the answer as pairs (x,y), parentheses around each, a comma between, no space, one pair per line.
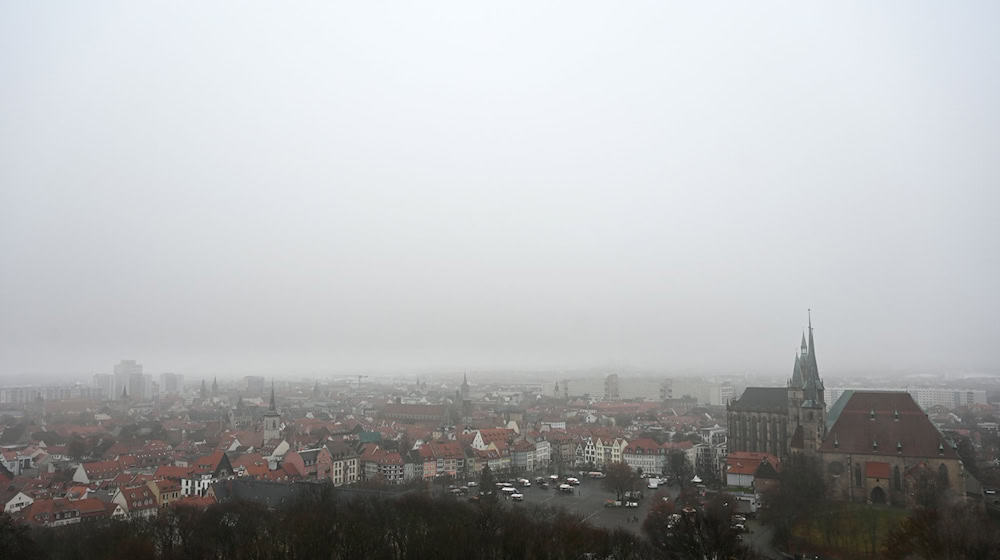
(782,420)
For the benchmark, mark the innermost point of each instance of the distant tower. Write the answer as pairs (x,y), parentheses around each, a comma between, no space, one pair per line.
(555,391)
(204,391)
(272,420)
(466,399)
(611,392)
(215,386)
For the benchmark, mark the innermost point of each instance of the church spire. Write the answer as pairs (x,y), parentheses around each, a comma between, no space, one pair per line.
(272,397)
(814,370)
(797,373)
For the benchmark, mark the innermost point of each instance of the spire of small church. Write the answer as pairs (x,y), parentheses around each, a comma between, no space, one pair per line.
(272,396)
(804,347)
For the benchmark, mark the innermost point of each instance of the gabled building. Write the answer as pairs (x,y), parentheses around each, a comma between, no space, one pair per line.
(378,462)
(52,512)
(204,472)
(875,439)
(742,467)
(645,454)
(164,491)
(344,464)
(14,500)
(138,502)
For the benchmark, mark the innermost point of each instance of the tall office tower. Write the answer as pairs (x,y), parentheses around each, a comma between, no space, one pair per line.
(123,375)
(611,392)
(136,387)
(171,383)
(105,384)
(255,385)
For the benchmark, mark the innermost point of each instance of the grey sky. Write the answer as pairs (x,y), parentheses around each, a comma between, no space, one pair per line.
(296,187)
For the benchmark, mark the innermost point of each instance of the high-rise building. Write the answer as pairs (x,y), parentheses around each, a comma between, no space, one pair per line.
(124,372)
(255,384)
(171,383)
(611,391)
(105,384)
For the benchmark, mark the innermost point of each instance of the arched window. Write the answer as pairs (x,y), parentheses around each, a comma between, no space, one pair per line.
(897,481)
(857,476)
(943,476)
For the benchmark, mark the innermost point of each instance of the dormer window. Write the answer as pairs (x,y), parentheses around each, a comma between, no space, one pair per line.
(895,415)
(871,414)
(899,447)
(875,444)
(836,441)
(940,449)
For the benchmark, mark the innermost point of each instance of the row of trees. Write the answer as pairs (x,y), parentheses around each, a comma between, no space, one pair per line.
(324,526)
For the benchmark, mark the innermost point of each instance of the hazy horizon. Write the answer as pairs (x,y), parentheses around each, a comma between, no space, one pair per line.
(336,187)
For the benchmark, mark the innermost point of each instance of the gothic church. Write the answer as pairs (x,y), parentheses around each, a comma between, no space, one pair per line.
(782,420)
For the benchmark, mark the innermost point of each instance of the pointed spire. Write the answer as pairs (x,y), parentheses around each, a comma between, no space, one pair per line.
(805,349)
(272,396)
(797,373)
(813,368)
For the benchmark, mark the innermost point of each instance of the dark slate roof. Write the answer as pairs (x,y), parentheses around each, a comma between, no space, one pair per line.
(762,398)
(765,470)
(890,418)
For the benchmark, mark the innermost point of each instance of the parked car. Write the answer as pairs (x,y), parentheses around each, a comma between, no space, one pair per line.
(573,481)
(472,484)
(524,482)
(566,488)
(517,497)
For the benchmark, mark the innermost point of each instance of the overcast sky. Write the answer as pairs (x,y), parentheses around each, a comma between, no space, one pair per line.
(302,187)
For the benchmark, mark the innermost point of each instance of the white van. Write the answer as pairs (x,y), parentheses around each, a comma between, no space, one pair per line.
(653,483)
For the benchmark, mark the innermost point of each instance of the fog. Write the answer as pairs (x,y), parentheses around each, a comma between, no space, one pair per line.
(289,188)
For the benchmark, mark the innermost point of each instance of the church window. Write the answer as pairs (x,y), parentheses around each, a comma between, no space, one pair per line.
(943,475)
(857,476)
(897,481)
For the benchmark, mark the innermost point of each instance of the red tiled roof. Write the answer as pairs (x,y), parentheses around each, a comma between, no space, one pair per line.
(890,419)
(643,446)
(747,462)
(138,498)
(176,473)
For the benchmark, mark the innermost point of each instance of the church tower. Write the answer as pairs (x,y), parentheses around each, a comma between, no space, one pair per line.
(806,400)
(272,420)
